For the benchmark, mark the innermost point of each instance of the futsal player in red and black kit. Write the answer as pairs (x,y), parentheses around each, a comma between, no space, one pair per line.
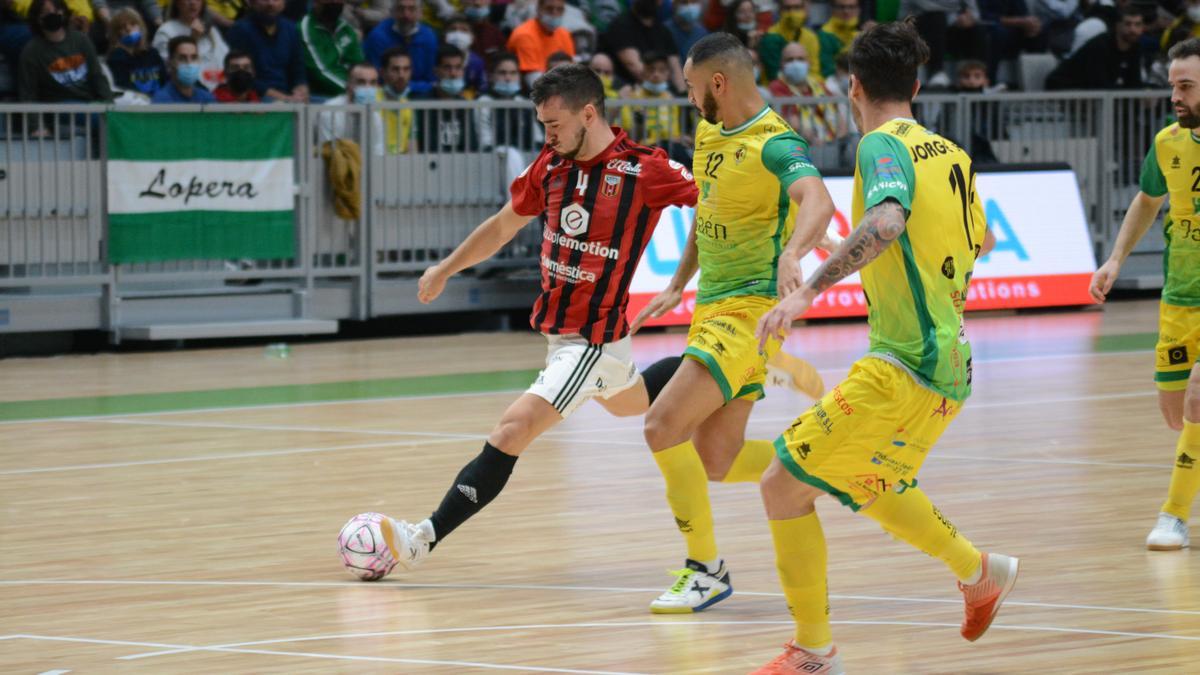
(597,196)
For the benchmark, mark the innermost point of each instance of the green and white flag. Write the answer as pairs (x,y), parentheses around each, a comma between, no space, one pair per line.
(200,185)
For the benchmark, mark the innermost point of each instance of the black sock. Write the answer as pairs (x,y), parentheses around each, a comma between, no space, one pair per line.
(659,373)
(479,482)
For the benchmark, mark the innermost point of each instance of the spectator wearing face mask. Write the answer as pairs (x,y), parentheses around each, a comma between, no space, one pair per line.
(488,38)
(192,17)
(791,27)
(536,39)
(397,124)
(837,33)
(602,66)
(59,64)
(638,32)
(502,127)
(183,69)
(331,46)
(447,130)
(817,123)
(652,124)
(239,80)
(134,67)
(685,26)
(458,34)
(404,29)
(340,147)
(274,44)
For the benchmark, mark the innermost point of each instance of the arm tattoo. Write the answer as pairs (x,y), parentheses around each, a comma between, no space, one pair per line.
(880,226)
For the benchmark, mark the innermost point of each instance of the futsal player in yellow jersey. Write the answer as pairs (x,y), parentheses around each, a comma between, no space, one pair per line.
(1171,170)
(920,228)
(747,242)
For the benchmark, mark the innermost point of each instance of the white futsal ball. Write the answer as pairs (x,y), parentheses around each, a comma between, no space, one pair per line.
(363,549)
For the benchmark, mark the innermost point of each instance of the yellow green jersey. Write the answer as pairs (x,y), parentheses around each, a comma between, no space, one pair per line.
(744,215)
(917,287)
(1172,168)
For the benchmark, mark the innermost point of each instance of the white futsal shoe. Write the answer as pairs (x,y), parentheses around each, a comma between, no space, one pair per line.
(1169,534)
(695,589)
(408,543)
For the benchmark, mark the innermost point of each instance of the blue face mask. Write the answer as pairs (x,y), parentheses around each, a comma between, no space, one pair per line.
(795,71)
(688,14)
(365,94)
(132,39)
(550,23)
(188,73)
(747,26)
(477,13)
(507,88)
(655,87)
(452,87)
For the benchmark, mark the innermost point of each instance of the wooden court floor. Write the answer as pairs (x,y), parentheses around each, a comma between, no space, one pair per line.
(176,512)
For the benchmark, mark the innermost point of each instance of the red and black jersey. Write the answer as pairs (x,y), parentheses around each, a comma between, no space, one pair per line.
(597,217)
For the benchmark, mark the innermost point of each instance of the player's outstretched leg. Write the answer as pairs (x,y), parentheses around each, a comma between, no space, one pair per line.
(984,579)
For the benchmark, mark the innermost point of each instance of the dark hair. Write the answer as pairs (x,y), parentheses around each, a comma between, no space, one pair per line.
(967,66)
(392,52)
(560,56)
(1184,49)
(652,57)
(730,25)
(885,59)
(575,83)
(173,11)
(35,9)
(1132,10)
(361,64)
(449,52)
(724,46)
(500,57)
(237,54)
(180,40)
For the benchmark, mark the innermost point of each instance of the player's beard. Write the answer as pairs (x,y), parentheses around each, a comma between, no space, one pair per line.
(579,139)
(708,108)
(1189,119)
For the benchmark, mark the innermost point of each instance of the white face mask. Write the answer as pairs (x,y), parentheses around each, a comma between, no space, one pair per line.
(460,39)
(1193,13)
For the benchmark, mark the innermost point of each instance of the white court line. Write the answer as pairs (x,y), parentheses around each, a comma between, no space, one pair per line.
(386,399)
(395,585)
(275,427)
(238,646)
(340,657)
(206,458)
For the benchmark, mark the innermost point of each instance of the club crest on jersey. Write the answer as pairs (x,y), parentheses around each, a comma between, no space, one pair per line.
(573,220)
(611,185)
(739,154)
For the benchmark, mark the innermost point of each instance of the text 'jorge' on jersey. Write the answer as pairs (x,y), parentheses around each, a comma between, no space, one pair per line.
(597,217)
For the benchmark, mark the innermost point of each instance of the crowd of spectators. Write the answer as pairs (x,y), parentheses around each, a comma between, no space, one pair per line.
(232,51)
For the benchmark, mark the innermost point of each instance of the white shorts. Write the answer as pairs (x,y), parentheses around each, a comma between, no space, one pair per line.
(576,371)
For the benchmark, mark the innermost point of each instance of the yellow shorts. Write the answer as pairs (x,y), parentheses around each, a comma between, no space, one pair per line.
(1178,343)
(722,338)
(868,435)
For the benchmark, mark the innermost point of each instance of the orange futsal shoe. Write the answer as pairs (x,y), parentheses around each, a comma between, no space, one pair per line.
(796,660)
(983,598)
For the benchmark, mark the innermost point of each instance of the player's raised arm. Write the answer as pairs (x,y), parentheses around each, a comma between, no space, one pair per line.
(491,235)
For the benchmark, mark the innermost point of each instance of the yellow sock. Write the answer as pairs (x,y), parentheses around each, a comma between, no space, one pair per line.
(751,461)
(687,494)
(1185,477)
(910,516)
(800,558)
